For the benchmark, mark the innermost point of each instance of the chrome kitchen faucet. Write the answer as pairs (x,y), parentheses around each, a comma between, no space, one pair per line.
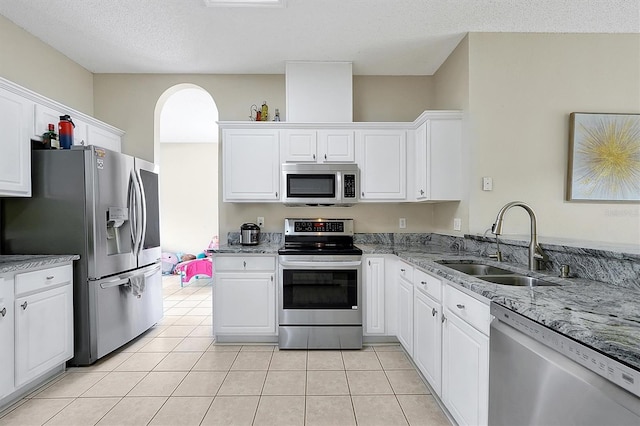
(536,255)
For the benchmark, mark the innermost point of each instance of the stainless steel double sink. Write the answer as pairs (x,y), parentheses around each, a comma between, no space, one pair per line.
(494,274)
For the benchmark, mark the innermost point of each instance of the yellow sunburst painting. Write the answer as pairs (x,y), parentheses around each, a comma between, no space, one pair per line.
(604,157)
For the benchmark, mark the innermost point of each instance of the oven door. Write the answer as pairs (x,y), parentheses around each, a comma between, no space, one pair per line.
(320,290)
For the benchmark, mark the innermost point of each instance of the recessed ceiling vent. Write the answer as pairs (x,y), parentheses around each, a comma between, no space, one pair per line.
(245,3)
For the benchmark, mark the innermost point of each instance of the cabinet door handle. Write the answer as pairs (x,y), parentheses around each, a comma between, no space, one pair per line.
(325,156)
(244,263)
(369,263)
(276,194)
(271,278)
(443,319)
(314,156)
(402,270)
(434,311)
(363,195)
(421,192)
(24,305)
(50,277)
(423,282)
(460,306)
(3,311)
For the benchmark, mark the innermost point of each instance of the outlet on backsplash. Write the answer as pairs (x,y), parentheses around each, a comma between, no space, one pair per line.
(260,221)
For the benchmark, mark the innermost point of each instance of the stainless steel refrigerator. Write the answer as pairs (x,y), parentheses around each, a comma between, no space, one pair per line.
(102,205)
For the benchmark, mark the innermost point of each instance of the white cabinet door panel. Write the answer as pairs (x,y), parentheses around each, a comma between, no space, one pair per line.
(374,296)
(382,157)
(44,332)
(427,338)
(405,315)
(299,146)
(6,337)
(336,146)
(16,122)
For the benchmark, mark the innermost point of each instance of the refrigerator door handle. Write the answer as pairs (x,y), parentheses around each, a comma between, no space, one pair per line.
(132,212)
(143,213)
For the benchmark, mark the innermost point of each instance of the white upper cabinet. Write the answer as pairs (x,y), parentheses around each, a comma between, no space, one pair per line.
(382,157)
(435,153)
(16,122)
(336,145)
(299,145)
(317,146)
(251,166)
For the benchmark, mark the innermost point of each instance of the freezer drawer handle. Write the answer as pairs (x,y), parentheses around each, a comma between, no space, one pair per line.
(3,311)
(24,306)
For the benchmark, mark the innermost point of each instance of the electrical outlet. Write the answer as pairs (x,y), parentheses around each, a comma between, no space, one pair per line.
(403,223)
(260,221)
(457,224)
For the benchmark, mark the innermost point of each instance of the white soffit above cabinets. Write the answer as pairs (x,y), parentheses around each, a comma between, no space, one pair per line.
(380,37)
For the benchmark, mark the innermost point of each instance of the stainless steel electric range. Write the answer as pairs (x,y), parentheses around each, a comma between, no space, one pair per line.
(320,293)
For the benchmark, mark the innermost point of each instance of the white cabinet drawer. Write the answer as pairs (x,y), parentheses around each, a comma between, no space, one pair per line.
(245,263)
(428,284)
(472,311)
(405,271)
(43,279)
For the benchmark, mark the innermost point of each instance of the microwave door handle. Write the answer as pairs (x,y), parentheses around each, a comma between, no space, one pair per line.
(339,188)
(143,213)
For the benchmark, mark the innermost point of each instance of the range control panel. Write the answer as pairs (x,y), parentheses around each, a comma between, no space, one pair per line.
(601,364)
(318,227)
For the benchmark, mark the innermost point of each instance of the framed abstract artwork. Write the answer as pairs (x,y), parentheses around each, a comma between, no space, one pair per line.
(604,157)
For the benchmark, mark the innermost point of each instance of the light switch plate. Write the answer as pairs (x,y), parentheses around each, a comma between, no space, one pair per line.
(402,223)
(457,224)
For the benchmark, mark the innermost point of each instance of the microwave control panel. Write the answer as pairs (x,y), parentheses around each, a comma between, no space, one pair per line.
(349,186)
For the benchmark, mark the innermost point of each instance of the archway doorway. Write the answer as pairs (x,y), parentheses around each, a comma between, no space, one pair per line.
(186,142)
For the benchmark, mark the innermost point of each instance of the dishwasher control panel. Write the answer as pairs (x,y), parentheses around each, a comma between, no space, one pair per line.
(612,370)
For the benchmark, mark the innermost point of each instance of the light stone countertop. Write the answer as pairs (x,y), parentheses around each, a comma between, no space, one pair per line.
(12,263)
(602,316)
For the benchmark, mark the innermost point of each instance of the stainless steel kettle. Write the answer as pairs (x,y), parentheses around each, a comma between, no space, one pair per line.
(249,234)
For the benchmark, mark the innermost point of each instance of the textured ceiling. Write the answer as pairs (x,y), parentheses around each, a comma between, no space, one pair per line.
(380,37)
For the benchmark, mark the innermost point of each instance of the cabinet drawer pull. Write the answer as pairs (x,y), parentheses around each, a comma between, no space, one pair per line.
(433,312)
(460,306)
(3,311)
(423,282)
(244,263)
(443,319)
(50,277)
(24,305)
(402,270)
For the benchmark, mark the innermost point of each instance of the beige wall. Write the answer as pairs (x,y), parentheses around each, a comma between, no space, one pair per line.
(522,89)
(29,62)
(452,92)
(188,196)
(128,101)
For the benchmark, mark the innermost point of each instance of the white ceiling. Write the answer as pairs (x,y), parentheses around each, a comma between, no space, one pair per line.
(380,37)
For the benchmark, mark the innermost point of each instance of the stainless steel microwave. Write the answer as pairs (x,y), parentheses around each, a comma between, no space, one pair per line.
(326,184)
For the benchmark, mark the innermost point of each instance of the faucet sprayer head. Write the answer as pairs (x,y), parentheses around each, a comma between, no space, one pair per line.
(496,228)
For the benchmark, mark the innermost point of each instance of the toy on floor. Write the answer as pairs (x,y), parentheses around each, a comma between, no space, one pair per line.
(194,268)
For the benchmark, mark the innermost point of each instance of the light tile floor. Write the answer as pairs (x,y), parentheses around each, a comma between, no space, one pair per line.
(175,375)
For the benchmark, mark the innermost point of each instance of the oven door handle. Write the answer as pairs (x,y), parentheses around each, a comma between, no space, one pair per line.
(335,264)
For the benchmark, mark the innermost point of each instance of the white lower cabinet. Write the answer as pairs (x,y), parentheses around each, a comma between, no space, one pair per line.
(405,306)
(6,336)
(244,296)
(427,329)
(36,326)
(465,358)
(374,296)
(44,332)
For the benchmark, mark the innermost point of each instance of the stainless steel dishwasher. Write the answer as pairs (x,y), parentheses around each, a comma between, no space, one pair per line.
(540,377)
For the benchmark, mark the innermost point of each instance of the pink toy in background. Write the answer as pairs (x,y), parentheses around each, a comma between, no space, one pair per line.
(193,268)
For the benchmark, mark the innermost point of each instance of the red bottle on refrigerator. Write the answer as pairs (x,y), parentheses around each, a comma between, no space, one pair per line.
(65,132)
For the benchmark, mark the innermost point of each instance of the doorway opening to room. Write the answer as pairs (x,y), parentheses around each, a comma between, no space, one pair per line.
(186,146)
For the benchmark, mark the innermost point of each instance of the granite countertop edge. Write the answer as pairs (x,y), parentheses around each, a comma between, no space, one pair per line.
(590,312)
(12,263)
